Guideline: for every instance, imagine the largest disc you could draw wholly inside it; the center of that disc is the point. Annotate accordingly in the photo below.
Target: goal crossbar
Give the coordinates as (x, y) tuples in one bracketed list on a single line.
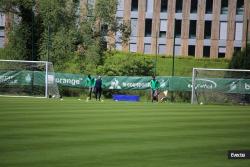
[(23, 61), (220, 69)]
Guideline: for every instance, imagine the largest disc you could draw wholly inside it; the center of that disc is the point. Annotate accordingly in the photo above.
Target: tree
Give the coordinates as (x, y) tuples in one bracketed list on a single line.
[(126, 65), (59, 32), (105, 13), (240, 59), (93, 30), (22, 38), (52, 30)]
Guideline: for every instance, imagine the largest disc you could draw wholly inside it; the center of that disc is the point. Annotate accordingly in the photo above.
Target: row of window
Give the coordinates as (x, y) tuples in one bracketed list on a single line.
[(2, 33), (191, 49), (147, 48), (206, 51), (192, 29), (179, 6)]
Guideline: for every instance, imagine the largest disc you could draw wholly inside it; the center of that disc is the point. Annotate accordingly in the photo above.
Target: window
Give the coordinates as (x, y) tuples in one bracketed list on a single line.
[(163, 28), (238, 31), (118, 46), (222, 52), (224, 6), (194, 4), (2, 20), (240, 7), (223, 30), (164, 5), (133, 27), (119, 33), (133, 47), (177, 28), (147, 48), (91, 6), (148, 27), (150, 6), (104, 29), (177, 50), (1, 42), (162, 49), (191, 50), (162, 34), (178, 6), (91, 3), (1, 32), (134, 5), (206, 51), (119, 20), (207, 30), (209, 6), (192, 29), (237, 49), (120, 5)]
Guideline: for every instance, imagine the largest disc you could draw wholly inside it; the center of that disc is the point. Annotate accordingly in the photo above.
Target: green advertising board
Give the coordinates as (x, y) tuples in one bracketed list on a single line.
[(226, 85)]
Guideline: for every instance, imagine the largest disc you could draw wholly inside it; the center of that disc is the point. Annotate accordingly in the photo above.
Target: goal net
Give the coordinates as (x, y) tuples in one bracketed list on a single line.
[(220, 86), (27, 78)]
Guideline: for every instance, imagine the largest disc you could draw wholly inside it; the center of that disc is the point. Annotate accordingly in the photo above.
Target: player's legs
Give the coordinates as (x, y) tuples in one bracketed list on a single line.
[(156, 95), (100, 93), (152, 95), (90, 92)]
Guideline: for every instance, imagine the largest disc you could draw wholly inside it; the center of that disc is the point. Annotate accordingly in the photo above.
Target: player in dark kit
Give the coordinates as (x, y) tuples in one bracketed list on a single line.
[(90, 83), (98, 88)]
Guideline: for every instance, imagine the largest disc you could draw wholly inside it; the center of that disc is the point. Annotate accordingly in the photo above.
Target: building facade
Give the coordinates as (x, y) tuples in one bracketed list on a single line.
[(2, 29), (200, 28)]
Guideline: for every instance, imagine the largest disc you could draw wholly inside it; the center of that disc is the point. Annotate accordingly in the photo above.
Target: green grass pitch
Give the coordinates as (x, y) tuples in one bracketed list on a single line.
[(72, 133)]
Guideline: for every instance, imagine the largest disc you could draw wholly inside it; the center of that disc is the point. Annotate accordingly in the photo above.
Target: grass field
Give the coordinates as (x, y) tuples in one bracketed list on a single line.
[(72, 133)]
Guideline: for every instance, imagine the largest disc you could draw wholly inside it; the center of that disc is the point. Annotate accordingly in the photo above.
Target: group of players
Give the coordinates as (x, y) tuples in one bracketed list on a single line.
[(95, 85)]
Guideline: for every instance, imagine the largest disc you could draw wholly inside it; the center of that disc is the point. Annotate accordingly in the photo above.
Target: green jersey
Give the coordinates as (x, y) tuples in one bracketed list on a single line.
[(90, 82), (154, 84)]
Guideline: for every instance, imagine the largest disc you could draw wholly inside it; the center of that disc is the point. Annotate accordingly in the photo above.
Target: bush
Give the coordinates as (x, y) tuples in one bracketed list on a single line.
[(9, 54), (130, 65), (241, 59)]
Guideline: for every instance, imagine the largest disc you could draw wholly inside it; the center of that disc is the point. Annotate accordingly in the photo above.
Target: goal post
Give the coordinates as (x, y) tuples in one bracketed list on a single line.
[(27, 79), (220, 86)]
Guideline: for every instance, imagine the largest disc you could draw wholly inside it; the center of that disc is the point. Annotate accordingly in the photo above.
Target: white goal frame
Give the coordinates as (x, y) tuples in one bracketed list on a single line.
[(210, 69), (46, 76)]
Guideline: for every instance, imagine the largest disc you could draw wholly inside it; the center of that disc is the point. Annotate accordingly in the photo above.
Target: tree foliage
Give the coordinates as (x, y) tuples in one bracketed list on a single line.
[(21, 38), (59, 32), (16, 6), (241, 59), (129, 65), (53, 30)]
